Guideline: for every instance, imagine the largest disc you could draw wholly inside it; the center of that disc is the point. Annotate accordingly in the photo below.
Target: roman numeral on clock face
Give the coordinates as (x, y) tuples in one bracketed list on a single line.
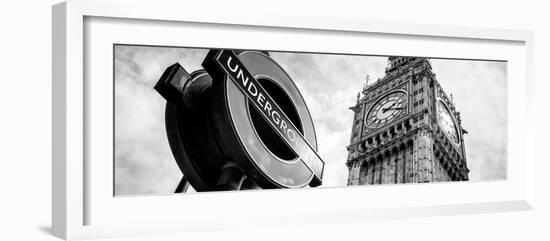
[(386, 109)]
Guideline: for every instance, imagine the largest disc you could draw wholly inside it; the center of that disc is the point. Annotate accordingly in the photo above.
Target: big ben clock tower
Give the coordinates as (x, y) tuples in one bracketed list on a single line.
[(406, 129)]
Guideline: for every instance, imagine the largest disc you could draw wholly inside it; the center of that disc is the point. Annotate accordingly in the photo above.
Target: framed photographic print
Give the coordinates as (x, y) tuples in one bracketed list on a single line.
[(167, 123)]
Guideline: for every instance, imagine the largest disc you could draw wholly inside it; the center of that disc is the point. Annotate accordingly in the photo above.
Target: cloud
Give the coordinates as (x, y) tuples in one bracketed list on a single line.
[(143, 161), (329, 85), (480, 93)]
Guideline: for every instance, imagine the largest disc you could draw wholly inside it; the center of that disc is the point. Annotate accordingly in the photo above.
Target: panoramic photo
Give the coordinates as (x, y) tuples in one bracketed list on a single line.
[(198, 120)]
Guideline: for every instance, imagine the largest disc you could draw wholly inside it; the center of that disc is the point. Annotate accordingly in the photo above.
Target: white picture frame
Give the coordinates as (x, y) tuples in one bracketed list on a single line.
[(83, 204)]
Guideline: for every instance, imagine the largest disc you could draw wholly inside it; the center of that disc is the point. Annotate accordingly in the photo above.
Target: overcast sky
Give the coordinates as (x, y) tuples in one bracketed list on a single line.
[(329, 85)]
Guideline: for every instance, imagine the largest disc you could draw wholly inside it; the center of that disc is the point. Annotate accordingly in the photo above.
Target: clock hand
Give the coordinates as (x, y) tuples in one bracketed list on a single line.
[(385, 109), (389, 108), (395, 102)]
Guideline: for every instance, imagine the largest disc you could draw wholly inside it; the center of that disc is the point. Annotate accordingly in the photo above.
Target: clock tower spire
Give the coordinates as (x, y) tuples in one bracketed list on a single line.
[(406, 129)]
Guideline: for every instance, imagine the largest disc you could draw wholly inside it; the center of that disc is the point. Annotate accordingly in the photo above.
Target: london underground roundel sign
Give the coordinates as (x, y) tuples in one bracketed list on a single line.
[(242, 122)]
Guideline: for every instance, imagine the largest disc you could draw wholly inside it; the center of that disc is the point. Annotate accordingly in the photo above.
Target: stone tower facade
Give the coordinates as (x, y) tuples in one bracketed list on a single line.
[(406, 129)]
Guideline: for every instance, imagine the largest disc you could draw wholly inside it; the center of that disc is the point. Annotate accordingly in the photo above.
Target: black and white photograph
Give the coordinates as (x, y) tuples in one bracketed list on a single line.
[(275, 120), (196, 119)]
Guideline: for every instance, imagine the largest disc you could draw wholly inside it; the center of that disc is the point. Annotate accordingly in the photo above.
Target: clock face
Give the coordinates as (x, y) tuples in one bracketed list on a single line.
[(446, 122), (386, 109)]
